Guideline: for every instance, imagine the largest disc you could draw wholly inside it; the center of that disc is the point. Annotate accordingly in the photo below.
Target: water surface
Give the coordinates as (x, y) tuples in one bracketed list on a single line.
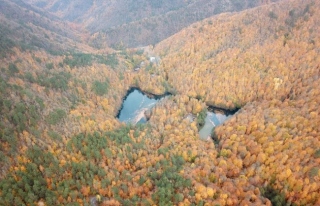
[(213, 119), (135, 104)]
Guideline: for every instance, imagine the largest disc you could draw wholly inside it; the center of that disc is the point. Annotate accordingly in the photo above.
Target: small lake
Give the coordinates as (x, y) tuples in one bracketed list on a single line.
[(213, 119), (135, 104)]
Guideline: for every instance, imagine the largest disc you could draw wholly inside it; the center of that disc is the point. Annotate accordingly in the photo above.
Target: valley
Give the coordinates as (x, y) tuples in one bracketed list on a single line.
[(69, 88)]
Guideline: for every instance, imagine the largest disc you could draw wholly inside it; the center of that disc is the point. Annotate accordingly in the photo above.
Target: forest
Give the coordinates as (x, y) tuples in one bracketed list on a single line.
[(62, 144)]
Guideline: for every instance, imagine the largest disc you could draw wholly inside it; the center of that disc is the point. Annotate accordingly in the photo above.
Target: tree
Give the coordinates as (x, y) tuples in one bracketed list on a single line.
[(201, 118), (100, 88), (56, 116), (13, 69), (274, 195)]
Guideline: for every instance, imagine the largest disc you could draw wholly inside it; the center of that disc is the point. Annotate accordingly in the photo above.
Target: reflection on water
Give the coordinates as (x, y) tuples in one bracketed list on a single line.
[(212, 120), (135, 105)]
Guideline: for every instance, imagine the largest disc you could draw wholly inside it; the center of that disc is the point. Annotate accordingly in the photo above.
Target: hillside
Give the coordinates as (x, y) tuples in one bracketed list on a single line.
[(239, 58), (46, 70), (140, 22), (61, 143), (264, 61), (26, 27), (39, 54)]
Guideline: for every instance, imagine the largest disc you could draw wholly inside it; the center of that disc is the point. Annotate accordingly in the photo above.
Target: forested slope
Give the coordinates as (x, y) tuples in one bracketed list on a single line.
[(264, 60), (233, 59)]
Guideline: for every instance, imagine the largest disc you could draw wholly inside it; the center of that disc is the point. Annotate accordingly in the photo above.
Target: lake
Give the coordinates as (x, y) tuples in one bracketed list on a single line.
[(135, 104), (213, 119)]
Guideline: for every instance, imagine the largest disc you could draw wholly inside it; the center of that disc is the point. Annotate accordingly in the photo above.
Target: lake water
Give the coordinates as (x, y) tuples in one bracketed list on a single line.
[(135, 104), (212, 120)]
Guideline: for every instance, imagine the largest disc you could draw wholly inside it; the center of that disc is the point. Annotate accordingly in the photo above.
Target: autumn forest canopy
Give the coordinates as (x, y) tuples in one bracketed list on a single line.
[(67, 66)]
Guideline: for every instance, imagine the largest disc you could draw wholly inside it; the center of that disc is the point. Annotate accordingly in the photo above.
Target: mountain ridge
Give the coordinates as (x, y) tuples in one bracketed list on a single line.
[(142, 23)]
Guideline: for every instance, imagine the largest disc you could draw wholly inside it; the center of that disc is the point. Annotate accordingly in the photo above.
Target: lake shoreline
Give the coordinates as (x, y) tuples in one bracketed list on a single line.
[(148, 94)]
